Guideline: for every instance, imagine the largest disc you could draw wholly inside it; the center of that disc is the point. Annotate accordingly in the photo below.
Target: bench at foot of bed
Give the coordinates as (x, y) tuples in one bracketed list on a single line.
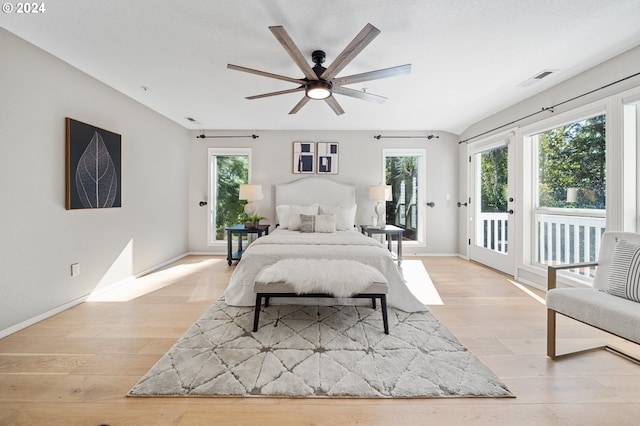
[(267, 290)]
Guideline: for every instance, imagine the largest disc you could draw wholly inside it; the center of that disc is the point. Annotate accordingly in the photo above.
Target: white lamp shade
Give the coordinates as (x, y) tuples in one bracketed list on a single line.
[(380, 192), (250, 192)]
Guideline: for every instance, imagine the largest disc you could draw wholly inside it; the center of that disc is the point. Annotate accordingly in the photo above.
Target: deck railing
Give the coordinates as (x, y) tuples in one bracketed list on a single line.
[(569, 238), (563, 235)]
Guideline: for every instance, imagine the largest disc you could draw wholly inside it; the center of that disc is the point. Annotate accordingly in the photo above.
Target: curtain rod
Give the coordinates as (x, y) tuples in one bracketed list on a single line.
[(406, 137), (551, 108), (233, 136)]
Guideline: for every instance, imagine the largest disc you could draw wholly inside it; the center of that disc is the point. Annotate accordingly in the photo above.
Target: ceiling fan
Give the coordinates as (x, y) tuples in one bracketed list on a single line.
[(321, 83)]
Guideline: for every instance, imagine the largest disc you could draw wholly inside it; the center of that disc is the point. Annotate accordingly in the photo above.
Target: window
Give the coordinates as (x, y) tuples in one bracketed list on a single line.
[(571, 191), (404, 171), (228, 168), (492, 221)]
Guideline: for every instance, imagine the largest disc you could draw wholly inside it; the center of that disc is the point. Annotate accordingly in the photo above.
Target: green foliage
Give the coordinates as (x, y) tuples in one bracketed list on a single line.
[(573, 156), (398, 170), (494, 168), (231, 172)]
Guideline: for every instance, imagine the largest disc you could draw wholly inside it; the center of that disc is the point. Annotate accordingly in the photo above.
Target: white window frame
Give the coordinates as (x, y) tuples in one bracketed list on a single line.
[(212, 153), (530, 180), (421, 153)]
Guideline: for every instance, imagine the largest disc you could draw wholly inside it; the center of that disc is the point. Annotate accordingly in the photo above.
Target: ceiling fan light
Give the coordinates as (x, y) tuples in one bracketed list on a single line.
[(318, 89)]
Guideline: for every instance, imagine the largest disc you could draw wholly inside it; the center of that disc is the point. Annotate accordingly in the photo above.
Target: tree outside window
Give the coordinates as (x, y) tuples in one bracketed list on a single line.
[(572, 165)]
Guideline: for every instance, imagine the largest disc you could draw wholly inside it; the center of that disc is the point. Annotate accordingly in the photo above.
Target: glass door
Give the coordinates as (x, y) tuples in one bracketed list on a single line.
[(492, 206)]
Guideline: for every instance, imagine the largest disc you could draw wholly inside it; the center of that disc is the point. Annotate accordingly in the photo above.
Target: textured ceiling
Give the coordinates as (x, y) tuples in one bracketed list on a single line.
[(467, 56)]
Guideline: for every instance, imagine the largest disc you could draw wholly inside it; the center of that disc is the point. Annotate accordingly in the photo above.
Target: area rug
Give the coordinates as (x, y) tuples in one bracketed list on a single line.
[(318, 351)]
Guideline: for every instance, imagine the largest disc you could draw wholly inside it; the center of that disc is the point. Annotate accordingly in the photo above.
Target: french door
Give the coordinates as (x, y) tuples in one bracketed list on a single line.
[(492, 203)]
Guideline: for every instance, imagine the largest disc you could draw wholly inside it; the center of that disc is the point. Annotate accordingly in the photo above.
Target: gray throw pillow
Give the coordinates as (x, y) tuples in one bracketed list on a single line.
[(325, 223)]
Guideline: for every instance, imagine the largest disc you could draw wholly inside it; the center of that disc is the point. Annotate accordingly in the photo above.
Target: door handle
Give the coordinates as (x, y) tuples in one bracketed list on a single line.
[(431, 204), (510, 211)]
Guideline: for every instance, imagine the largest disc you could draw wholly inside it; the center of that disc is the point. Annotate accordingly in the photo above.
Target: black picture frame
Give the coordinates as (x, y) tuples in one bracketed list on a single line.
[(304, 158), (93, 167)]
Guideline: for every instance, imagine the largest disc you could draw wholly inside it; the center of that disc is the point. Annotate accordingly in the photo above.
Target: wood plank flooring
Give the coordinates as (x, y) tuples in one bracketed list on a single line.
[(76, 367)]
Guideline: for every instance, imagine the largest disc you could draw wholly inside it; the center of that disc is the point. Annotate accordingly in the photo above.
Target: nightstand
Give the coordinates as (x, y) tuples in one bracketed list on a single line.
[(240, 230), (390, 232)]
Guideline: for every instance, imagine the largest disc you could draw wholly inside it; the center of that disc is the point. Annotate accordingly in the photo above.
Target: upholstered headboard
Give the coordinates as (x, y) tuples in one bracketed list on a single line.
[(312, 190)]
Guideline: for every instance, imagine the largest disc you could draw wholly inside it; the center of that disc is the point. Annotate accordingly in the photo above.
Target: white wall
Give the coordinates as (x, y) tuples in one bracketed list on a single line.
[(615, 69), (39, 238), (360, 164)]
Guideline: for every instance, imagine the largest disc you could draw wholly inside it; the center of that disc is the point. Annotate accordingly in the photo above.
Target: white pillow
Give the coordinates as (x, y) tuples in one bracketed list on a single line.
[(282, 214), (294, 215), (325, 223), (345, 216)]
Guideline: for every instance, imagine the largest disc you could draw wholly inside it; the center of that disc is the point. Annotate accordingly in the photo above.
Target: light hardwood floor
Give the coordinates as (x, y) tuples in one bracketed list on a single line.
[(76, 367)]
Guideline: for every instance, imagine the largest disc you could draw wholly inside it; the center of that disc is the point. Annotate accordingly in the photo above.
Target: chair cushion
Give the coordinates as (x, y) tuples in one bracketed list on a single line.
[(624, 272), (598, 308)]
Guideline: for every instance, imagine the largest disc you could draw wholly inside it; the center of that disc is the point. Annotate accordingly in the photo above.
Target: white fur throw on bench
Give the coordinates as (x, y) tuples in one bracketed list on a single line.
[(340, 278)]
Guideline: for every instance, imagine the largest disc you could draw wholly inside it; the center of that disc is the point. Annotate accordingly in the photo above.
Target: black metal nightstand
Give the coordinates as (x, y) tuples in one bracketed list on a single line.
[(240, 230)]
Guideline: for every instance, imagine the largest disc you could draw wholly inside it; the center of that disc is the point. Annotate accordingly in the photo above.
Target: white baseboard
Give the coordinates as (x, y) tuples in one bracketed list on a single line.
[(127, 280), (71, 304), (43, 316)]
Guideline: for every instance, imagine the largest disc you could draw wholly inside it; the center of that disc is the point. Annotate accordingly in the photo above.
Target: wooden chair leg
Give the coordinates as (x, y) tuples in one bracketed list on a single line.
[(256, 315), (551, 333)]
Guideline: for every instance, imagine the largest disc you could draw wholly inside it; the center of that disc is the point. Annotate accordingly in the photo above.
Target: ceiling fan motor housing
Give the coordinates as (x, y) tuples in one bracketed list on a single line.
[(318, 57)]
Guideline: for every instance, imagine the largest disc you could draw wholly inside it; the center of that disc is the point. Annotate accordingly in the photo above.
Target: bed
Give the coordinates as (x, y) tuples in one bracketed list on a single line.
[(326, 198)]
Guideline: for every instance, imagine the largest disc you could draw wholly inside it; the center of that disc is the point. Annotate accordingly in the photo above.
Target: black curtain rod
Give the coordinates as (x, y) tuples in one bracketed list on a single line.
[(234, 136), (406, 137), (551, 108)]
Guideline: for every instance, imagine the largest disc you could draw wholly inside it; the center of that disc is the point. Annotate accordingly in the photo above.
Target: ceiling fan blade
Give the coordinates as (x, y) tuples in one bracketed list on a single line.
[(265, 74), (335, 106), (293, 51), (281, 92), (299, 105), (372, 75), (362, 40), (365, 96)]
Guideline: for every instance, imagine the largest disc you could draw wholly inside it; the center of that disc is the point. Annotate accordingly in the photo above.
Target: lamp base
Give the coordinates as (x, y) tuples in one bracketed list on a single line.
[(380, 213), (249, 208)]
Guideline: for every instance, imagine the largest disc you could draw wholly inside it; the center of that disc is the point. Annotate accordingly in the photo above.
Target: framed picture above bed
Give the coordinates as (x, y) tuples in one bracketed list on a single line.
[(304, 157), (327, 153)]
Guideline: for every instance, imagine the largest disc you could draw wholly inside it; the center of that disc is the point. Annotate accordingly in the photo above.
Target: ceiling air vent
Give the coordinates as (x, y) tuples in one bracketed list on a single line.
[(536, 78)]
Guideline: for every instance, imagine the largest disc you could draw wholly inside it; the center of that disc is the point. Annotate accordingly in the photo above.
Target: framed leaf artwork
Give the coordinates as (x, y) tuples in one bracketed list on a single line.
[(93, 167)]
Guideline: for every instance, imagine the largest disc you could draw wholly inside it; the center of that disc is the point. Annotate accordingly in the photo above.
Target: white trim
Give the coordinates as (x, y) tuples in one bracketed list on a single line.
[(504, 262), (213, 152), (126, 281), (31, 321), (421, 153), (41, 317)]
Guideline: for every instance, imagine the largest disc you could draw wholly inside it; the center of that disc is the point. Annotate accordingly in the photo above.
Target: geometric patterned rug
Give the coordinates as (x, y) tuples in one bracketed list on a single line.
[(318, 351)]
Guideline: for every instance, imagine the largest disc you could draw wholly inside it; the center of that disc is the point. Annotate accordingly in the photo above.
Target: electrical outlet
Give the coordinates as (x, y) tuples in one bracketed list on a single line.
[(75, 269)]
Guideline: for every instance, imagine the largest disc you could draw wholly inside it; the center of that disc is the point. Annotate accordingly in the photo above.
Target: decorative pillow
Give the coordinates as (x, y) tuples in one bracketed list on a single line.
[(345, 215), (282, 213), (624, 272), (318, 223), (296, 211)]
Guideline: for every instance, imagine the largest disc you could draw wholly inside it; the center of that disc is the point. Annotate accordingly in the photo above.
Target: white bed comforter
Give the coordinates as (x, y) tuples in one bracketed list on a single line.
[(351, 245)]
